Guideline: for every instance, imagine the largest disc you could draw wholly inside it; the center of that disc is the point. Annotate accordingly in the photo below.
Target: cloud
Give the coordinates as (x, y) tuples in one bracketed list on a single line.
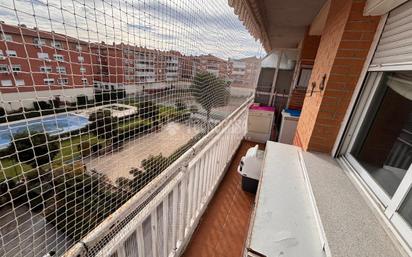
[(191, 27), (140, 27)]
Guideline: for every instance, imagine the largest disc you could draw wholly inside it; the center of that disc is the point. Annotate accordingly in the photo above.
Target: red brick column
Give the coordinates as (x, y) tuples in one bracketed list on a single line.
[(343, 48), (310, 45)]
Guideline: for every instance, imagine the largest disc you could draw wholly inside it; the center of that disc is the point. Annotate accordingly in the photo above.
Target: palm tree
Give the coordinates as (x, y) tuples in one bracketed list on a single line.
[(210, 92)]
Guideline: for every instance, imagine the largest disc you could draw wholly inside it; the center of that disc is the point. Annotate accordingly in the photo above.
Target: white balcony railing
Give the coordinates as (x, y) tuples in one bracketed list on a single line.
[(173, 202)]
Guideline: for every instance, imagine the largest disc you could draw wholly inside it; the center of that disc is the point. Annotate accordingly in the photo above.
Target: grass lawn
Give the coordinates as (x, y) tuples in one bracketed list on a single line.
[(12, 169), (69, 148)]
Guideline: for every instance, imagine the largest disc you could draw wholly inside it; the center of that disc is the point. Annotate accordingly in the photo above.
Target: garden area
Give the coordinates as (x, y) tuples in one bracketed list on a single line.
[(49, 175), (76, 179)]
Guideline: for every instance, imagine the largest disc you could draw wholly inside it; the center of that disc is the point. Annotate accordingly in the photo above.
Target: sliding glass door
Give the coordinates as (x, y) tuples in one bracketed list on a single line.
[(381, 149)]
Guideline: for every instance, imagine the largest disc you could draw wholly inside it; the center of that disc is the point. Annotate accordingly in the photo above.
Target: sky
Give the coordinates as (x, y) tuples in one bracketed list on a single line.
[(192, 27)]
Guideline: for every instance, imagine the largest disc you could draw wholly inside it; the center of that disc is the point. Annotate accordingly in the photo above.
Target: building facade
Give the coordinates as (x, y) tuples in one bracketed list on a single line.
[(212, 64), (244, 72)]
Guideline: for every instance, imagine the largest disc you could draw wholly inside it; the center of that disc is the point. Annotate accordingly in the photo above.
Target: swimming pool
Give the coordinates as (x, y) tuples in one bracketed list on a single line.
[(52, 124)]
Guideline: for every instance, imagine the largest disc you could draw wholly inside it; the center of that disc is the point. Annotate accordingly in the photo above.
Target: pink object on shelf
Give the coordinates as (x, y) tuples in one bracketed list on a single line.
[(261, 108)]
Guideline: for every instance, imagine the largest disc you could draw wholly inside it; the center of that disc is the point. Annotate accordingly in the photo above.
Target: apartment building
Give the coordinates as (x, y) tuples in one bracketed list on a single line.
[(34, 62), (188, 67), (212, 64), (173, 66), (244, 72), (144, 65)]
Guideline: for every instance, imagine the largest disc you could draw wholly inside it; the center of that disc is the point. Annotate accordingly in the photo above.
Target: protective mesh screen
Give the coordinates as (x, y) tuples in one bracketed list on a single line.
[(98, 98)]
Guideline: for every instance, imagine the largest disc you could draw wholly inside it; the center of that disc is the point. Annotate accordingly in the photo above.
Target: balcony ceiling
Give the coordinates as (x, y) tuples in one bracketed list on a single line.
[(277, 23)]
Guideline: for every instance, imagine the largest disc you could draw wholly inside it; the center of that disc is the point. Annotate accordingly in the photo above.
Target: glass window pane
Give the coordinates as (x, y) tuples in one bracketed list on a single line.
[(406, 208), (384, 144)]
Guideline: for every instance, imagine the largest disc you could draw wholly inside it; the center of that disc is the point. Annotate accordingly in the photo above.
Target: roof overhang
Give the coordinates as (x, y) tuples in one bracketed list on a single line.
[(277, 23)]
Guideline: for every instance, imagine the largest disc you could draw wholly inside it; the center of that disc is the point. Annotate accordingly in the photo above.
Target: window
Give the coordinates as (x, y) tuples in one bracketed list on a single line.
[(82, 69), (45, 69), (44, 56), (57, 44), (383, 146), (1, 55), (11, 53), (39, 41), (61, 70), (304, 77), (80, 58), (48, 81), (79, 48), (58, 57), (6, 37), (20, 82), (63, 81), (16, 67), (85, 82), (6, 83), (4, 68)]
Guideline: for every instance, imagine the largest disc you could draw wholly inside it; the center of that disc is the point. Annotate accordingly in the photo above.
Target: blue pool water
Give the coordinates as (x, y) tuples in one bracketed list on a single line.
[(53, 125)]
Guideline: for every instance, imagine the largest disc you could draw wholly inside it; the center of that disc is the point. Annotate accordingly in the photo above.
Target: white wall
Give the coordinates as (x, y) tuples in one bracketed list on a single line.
[(14, 101)]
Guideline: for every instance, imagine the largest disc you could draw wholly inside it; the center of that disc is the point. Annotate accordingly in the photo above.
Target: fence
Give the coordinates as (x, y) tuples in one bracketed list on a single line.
[(100, 99), (165, 224)]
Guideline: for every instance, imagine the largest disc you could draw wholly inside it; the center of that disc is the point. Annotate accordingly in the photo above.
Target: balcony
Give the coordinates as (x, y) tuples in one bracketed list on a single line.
[(178, 198), (151, 169)]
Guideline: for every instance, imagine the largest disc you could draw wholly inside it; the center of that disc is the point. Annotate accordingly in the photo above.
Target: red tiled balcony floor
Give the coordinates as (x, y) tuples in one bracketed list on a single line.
[(222, 230)]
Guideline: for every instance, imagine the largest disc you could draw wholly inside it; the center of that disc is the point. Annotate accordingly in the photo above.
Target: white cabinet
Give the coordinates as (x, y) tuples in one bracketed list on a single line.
[(288, 128), (260, 123)]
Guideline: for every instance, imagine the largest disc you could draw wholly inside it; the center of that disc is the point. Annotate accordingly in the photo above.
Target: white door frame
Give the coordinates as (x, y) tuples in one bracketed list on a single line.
[(390, 204), (365, 89)]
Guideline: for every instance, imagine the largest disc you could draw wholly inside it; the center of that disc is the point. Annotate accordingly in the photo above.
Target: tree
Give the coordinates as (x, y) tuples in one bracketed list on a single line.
[(36, 148), (152, 167), (210, 92)]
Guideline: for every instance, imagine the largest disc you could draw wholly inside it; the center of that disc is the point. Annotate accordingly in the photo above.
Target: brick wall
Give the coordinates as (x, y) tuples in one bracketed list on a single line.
[(310, 45), (343, 48), (296, 98)]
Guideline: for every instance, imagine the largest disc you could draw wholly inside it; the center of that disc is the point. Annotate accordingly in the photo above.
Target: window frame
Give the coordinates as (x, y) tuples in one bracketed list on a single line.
[(63, 81), (20, 84), (6, 37), (43, 56), (50, 81), (57, 44), (46, 69), (388, 205), (39, 41), (13, 66), (85, 82), (61, 70), (4, 68), (353, 120), (13, 53), (1, 83), (56, 57)]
